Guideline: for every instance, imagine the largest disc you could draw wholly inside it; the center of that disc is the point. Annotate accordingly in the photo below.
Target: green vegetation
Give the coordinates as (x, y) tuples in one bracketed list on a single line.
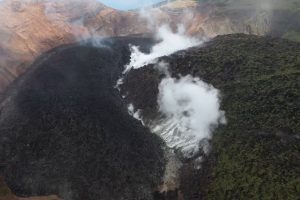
[(257, 155), (257, 76), (292, 35), (254, 167)]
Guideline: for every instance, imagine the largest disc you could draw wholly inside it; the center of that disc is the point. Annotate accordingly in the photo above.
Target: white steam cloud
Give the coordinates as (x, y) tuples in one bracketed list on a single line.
[(170, 43), (189, 109), (192, 111)]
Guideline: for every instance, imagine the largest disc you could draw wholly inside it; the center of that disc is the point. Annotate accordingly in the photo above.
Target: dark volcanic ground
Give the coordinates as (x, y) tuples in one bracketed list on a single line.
[(256, 155), (65, 130)]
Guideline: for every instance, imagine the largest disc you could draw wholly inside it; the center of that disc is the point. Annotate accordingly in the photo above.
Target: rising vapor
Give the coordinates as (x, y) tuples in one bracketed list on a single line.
[(169, 43), (189, 109), (192, 110)]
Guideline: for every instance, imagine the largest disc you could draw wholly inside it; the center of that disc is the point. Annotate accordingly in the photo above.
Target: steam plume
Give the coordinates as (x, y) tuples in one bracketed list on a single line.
[(192, 111), (170, 42), (189, 109)]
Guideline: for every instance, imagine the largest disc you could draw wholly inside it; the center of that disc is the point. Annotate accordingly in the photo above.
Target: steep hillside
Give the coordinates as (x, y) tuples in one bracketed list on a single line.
[(30, 28), (256, 155), (6, 194), (65, 130), (25, 32)]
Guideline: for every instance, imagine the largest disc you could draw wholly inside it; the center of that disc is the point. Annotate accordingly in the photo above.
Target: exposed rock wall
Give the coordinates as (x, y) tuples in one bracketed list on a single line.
[(29, 28)]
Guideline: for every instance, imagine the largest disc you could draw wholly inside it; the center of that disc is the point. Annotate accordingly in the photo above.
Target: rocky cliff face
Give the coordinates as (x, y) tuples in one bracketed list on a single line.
[(29, 28), (25, 33)]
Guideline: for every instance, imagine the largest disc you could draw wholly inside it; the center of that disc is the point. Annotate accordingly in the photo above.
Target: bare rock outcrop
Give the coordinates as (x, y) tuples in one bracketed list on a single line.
[(29, 28)]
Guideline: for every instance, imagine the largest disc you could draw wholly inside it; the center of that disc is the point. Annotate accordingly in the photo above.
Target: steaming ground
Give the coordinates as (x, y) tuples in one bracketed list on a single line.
[(170, 42), (189, 109)]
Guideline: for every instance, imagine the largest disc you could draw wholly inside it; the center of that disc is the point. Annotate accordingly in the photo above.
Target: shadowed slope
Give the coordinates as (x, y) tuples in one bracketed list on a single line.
[(64, 130)]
